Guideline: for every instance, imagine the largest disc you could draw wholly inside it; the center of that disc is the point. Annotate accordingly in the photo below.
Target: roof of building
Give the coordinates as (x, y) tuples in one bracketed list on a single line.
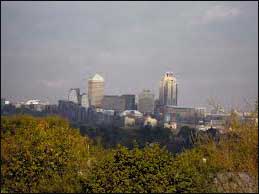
[(97, 77), (131, 112), (33, 102), (168, 76), (183, 107)]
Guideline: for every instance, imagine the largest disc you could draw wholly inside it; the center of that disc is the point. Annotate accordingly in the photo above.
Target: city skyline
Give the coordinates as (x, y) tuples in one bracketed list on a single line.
[(211, 47)]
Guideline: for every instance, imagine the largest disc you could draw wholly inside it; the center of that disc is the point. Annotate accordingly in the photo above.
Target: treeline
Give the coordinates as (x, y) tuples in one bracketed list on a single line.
[(47, 155), (109, 137)]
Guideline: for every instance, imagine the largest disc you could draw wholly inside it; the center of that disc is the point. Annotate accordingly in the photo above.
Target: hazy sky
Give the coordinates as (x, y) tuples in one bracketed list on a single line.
[(49, 47)]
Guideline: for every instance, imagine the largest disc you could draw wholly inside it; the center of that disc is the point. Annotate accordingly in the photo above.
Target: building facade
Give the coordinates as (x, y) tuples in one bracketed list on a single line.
[(129, 101), (51, 109), (74, 95), (146, 102), (113, 102), (168, 90), (96, 90), (69, 110), (183, 115), (84, 100)]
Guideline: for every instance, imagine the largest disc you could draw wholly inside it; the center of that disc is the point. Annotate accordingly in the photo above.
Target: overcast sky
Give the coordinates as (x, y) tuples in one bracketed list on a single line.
[(211, 47)]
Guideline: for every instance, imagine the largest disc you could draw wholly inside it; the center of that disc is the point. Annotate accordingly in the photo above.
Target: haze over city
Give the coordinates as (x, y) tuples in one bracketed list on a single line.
[(50, 47)]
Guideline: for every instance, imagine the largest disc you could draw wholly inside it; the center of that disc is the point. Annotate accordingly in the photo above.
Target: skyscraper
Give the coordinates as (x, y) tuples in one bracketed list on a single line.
[(96, 90), (146, 101), (168, 90), (74, 95), (84, 100)]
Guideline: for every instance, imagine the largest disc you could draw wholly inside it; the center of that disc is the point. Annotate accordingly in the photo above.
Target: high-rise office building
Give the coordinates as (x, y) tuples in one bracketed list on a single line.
[(69, 110), (96, 90), (146, 101), (129, 101), (74, 95), (84, 100), (168, 90), (113, 102)]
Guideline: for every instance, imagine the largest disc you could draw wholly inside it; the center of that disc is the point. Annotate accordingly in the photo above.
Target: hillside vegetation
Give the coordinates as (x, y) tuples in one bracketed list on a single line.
[(47, 155)]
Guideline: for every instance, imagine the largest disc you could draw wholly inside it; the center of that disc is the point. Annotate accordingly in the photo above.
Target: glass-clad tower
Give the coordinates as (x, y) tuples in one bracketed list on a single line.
[(168, 90)]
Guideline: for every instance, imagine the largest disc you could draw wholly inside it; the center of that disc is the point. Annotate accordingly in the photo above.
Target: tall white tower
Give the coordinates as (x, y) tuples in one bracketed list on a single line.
[(168, 90)]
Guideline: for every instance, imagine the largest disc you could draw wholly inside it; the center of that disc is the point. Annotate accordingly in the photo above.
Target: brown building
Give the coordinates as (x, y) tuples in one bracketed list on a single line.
[(96, 90)]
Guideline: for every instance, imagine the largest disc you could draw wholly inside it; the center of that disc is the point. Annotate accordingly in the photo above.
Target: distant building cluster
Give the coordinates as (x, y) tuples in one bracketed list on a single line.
[(96, 108)]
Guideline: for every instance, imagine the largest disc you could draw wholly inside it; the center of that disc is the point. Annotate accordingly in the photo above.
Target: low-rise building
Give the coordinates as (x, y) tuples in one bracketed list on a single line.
[(69, 110), (183, 116), (218, 121), (171, 125), (51, 109), (149, 121), (132, 113), (129, 122)]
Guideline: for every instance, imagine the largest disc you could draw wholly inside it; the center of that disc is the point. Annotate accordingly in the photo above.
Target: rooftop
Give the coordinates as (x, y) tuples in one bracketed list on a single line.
[(97, 77)]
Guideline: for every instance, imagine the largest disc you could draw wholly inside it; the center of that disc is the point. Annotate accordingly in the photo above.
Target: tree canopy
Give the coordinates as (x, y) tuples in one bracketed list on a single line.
[(41, 155)]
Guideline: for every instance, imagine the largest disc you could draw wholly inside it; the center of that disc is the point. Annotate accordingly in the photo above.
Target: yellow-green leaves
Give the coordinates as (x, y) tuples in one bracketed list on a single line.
[(43, 155)]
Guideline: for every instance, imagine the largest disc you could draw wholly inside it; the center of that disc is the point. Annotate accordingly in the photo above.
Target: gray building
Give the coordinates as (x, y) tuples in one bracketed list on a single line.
[(2, 103), (69, 110), (51, 109), (74, 95), (146, 102), (84, 100), (113, 102), (184, 115), (129, 101)]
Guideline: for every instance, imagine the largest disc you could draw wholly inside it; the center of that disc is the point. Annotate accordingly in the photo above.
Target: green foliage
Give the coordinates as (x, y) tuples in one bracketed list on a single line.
[(41, 155), (239, 151), (152, 169), (193, 171), (136, 170), (236, 152), (46, 155)]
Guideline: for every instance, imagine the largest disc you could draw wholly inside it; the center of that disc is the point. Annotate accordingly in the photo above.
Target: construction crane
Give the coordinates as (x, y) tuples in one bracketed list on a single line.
[(217, 108)]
